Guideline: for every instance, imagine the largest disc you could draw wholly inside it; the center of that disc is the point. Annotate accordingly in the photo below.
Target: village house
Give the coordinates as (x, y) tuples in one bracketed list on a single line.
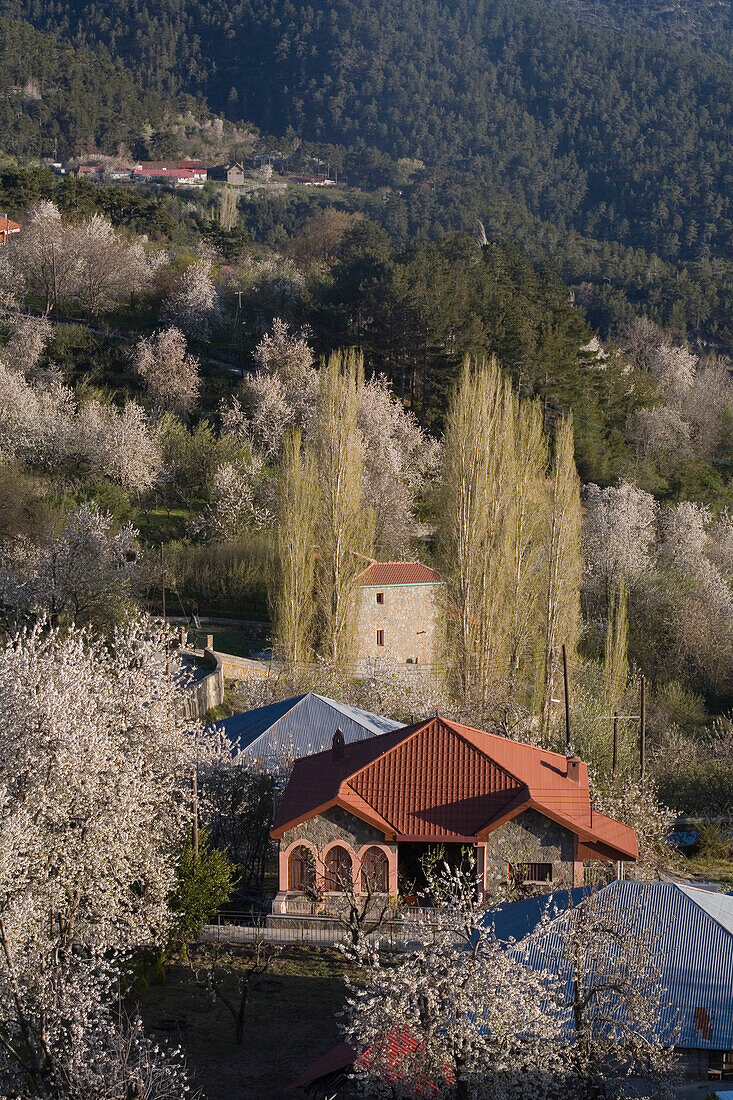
[(6, 228), (179, 172), (399, 613), (233, 174), (367, 812)]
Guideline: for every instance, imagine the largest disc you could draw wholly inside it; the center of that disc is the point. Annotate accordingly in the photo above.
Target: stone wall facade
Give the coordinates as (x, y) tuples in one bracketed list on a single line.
[(409, 617), (334, 824), (335, 827), (533, 838)]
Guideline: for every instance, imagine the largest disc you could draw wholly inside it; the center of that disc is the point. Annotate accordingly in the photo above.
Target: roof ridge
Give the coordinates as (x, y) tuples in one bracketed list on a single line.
[(683, 887), (451, 726), (337, 705), (500, 737)]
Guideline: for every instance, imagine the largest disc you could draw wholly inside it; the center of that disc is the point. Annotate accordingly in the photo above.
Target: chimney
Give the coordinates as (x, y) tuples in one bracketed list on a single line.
[(574, 768), (337, 747)]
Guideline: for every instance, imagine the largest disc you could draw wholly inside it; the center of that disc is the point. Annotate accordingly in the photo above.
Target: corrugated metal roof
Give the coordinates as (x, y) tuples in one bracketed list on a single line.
[(695, 950), (299, 726), (439, 779), (718, 906), (513, 920), (397, 572)]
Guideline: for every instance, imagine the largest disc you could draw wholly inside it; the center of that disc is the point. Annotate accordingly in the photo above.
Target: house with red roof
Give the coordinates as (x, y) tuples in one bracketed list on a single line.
[(367, 812), (399, 613), (6, 228)]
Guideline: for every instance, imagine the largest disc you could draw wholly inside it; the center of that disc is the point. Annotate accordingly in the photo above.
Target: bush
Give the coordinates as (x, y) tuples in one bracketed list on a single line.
[(203, 885), (229, 577)]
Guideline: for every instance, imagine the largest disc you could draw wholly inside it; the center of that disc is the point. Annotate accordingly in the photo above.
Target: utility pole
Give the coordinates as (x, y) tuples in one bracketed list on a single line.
[(567, 696), (162, 577), (195, 828), (614, 764), (642, 728)]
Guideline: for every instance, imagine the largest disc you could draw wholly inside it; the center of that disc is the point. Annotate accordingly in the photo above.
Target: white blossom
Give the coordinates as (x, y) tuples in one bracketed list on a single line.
[(238, 501), (619, 531), (86, 572), (194, 306), (95, 799), (120, 445), (455, 1009), (399, 459), (171, 376)]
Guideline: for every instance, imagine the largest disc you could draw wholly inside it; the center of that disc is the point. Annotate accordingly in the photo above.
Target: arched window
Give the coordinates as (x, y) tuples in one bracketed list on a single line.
[(301, 869), (338, 869), (375, 871)]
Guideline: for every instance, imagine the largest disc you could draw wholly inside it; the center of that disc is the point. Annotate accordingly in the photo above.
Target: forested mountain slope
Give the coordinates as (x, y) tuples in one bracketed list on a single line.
[(58, 98), (617, 138), (706, 25)]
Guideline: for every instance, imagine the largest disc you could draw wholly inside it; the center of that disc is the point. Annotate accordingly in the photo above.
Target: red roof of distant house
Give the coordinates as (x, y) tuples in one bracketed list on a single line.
[(337, 1058), (441, 781), (397, 572), (167, 173), (8, 226), (400, 1044)]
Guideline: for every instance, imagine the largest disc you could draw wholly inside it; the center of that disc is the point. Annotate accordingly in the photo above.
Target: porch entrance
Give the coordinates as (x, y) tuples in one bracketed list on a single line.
[(412, 861)]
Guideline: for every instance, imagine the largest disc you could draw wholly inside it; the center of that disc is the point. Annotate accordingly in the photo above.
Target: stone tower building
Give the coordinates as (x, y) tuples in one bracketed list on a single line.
[(400, 612)]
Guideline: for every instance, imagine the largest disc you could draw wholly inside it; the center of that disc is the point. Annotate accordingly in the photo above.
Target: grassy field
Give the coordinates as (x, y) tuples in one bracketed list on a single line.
[(291, 1022), (710, 869)]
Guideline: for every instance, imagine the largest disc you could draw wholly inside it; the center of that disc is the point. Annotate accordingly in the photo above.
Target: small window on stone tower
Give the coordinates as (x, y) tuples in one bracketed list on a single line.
[(380, 597), (380, 637)]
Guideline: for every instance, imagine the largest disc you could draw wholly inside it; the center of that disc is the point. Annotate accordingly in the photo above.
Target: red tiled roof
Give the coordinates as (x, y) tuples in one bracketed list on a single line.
[(8, 226), (435, 784), (439, 780), (397, 572), (337, 1058), (399, 1045)]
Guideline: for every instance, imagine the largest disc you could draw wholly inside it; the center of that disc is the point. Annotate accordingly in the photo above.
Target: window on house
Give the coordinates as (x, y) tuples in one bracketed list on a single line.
[(375, 871), (380, 637), (338, 869), (301, 869), (530, 873), (380, 597)]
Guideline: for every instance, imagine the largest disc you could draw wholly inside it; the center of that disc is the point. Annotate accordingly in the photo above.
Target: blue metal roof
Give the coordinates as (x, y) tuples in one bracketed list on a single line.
[(695, 929), (299, 727), (513, 920)]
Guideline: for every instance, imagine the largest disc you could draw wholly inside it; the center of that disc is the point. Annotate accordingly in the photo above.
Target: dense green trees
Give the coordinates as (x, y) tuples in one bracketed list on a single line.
[(615, 137), (57, 99)]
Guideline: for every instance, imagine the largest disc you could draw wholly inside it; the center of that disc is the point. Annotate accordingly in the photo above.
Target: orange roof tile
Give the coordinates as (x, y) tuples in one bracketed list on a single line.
[(8, 226), (397, 572), (439, 780)]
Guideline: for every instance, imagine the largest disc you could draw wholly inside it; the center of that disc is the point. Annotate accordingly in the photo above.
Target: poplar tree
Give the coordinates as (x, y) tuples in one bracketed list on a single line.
[(345, 528), (530, 499), (296, 537), (477, 524), (564, 564), (616, 663)]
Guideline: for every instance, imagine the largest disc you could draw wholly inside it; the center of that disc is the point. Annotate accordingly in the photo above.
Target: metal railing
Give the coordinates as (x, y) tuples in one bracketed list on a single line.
[(318, 931)]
